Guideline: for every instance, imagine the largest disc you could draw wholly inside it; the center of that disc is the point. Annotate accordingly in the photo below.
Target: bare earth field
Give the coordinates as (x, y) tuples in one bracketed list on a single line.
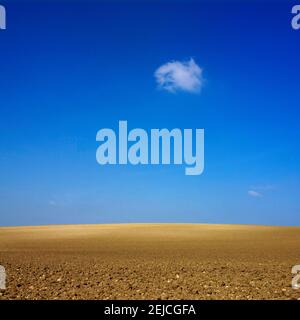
[(149, 261)]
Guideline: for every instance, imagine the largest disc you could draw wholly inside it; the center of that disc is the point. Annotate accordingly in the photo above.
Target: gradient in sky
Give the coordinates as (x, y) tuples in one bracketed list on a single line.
[(68, 69)]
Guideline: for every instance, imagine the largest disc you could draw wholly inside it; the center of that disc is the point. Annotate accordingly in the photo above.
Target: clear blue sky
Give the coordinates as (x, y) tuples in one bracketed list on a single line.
[(69, 69)]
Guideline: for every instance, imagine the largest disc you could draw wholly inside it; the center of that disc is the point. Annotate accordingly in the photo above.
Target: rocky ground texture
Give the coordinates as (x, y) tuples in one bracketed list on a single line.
[(149, 261)]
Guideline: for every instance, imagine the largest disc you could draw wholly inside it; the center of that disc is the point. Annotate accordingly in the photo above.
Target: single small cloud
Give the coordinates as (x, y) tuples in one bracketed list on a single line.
[(255, 194), (180, 76)]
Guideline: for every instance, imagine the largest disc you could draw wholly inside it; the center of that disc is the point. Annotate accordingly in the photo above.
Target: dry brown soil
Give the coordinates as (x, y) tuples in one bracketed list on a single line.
[(149, 261)]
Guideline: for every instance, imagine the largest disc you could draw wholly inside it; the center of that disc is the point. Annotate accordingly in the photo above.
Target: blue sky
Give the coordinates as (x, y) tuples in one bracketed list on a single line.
[(68, 69)]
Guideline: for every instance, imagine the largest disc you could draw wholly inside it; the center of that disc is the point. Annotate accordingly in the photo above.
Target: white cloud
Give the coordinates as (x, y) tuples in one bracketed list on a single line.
[(176, 75), (255, 194)]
